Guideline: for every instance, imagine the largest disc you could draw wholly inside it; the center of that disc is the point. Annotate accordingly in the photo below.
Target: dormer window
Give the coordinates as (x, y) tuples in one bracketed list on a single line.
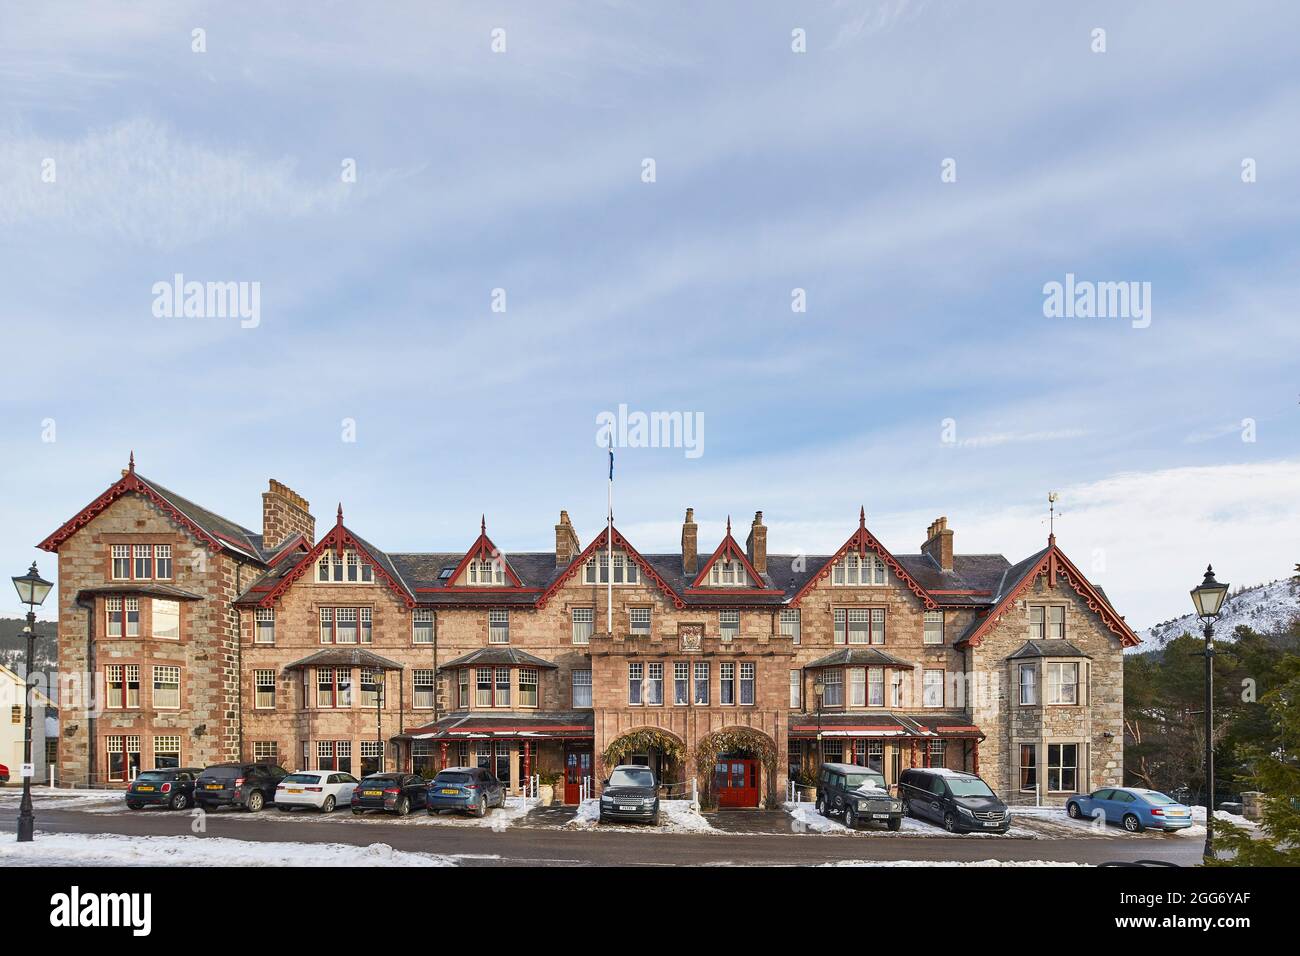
[(597, 568), (855, 570), (347, 568), (483, 572), (446, 572), (728, 573)]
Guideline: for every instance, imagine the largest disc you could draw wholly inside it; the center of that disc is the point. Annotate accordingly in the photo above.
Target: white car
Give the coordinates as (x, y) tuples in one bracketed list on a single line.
[(322, 789)]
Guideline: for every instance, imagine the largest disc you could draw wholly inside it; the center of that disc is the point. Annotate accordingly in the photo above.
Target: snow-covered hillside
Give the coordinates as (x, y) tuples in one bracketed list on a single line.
[(1265, 608)]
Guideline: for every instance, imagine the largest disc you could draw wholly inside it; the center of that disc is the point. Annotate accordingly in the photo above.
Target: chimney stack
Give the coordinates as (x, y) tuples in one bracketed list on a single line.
[(756, 544), (566, 541), (284, 514), (938, 543), (690, 537)]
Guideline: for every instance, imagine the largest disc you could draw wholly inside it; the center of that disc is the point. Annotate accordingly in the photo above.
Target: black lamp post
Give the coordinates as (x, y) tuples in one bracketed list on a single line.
[(819, 688), (1208, 598), (32, 589)]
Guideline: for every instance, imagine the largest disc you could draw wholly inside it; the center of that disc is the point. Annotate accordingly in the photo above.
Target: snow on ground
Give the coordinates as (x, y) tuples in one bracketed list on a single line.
[(804, 818), (951, 863), (86, 801), (675, 816), (102, 849), (1197, 830)]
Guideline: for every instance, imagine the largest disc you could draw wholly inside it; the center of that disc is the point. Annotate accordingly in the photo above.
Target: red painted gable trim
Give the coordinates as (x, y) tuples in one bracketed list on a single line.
[(622, 544), (863, 541), (730, 547), (131, 483), (1056, 566), (483, 546), (339, 538)]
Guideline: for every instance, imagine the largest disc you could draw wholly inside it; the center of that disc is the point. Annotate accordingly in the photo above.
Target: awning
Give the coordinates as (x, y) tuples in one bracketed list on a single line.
[(563, 725)]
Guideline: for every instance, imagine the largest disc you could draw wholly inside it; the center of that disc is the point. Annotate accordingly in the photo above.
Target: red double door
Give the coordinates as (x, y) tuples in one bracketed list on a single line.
[(577, 765), (735, 780)]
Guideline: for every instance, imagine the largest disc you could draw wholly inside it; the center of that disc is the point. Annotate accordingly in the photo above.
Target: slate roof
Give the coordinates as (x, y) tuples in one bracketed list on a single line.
[(211, 522), (1047, 648), (345, 657), (574, 723), (505, 656), (860, 656)]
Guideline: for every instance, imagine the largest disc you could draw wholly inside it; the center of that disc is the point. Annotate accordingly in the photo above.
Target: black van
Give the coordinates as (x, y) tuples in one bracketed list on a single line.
[(858, 794), (959, 802)]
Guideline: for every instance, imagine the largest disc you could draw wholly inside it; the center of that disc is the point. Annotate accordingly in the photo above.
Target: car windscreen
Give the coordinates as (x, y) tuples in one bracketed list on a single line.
[(153, 776), (867, 781), (962, 787), (302, 778), (448, 777), (375, 782), (222, 773), (632, 778), (1156, 799)]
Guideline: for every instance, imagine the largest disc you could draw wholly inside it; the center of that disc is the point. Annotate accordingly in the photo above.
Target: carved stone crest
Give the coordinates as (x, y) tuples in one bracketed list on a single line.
[(691, 636)]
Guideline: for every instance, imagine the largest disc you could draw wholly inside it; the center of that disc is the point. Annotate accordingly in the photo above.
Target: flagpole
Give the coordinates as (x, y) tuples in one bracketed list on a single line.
[(609, 540)]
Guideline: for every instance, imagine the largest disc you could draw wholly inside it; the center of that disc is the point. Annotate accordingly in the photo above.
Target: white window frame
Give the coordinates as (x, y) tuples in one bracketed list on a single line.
[(934, 624), (171, 609), (264, 624), (857, 681), (700, 681), (498, 626), (796, 688), (582, 624), (423, 682), (528, 677), (161, 671), (263, 684), (635, 675), (581, 678), (928, 686), (627, 573), (423, 621), (160, 744), (855, 571), (832, 677), (790, 624), (654, 674), (726, 679), (1055, 672), (1028, 688), (729, 572), (638, 620), (681, 683), (748, 679), (728, 626)]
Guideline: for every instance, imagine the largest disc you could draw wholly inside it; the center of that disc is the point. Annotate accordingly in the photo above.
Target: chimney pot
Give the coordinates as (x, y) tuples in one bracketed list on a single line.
[(938, 543)]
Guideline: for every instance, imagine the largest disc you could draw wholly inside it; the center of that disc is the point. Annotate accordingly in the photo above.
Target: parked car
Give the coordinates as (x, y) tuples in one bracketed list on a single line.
[(322, 789), (4, 773), (171, 787), (391, 792), (248, 785), (471, 789), (1133, 808), (858, 794), (630, 793), (960, 802)]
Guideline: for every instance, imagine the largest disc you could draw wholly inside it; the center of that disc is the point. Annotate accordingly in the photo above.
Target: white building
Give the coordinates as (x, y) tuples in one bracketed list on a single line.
[(11, 728)]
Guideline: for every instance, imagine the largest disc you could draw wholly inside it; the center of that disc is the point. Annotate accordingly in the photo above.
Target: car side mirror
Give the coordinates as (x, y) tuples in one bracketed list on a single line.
[(605, 782)]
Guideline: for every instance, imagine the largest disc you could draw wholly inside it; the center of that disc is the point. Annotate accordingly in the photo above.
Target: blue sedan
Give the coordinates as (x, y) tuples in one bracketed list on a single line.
[(1133, 808)]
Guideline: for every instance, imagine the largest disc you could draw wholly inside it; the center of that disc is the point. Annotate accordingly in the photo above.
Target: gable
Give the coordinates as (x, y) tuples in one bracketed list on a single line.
[(728, 550), (599, 544), (1054, 566), (483, 550), (340, 539), (863, 542)]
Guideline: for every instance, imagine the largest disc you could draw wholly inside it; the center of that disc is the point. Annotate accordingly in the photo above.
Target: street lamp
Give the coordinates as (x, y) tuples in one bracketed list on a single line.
[(32, 589), (1208, 598), (818, 689)]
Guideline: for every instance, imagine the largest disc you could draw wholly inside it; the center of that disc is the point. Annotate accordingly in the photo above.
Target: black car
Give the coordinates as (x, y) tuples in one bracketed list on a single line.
[(960, 802), (858, 794), (391, 792), (630, 794), (248, 785), (172, 788)]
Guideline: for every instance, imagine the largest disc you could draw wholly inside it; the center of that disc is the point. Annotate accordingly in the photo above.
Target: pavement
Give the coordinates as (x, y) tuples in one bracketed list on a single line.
[(750, 838)]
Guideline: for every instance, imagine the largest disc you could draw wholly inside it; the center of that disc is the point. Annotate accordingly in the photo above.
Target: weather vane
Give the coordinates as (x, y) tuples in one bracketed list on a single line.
[(1051, 512)]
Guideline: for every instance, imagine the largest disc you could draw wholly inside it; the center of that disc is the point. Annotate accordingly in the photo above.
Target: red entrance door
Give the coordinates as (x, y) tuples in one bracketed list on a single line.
[(736, 781), (576, 767)]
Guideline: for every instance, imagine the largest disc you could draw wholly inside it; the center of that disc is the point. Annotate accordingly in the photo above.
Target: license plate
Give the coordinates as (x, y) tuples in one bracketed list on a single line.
[(372, 793), (214, 786), (1177, 813), (144, 789), (452, 792), (991, 823), (880, 816), (293, 790), (621, 807)]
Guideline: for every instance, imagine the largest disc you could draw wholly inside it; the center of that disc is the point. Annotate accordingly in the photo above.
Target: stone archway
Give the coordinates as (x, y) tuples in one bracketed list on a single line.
[(744, 740), (668, 749)]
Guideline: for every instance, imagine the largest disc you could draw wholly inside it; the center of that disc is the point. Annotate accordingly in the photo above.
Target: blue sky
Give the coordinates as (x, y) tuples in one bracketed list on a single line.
[(775, 170)]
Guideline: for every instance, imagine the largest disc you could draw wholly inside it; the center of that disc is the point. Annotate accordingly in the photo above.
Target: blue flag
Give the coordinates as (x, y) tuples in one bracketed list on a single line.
[(611, 464)]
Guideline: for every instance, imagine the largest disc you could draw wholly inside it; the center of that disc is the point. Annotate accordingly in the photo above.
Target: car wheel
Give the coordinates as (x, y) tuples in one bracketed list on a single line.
[(135, 806), (821, 807), (850, 818), (1072, 810), (255, 801), (177, 802), (950, 822), (329, 804), (895, 823), (1132, 824), (480, 808), (403, 806)]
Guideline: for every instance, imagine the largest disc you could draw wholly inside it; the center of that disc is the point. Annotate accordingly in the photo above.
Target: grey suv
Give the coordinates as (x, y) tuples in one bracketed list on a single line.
[(858, 794)]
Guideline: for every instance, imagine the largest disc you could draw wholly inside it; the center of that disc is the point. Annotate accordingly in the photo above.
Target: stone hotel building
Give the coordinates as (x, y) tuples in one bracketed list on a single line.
[(730, 665)]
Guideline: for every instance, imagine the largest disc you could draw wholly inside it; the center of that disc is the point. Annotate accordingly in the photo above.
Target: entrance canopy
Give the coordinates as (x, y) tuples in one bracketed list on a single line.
[(553, 725)]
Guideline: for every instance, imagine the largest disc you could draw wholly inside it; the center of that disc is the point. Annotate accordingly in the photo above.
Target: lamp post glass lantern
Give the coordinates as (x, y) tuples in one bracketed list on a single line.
[(818, 689), (32, 590), (1208, 598)]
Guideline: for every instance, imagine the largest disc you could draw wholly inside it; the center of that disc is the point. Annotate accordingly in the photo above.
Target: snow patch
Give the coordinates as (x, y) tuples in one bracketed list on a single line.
[(952, 863), (1265, 608)]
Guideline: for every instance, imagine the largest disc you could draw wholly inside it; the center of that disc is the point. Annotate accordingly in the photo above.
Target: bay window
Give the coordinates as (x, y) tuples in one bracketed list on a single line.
[(857, 687), (502, 698), (527, 687), (1062, 682), (876, 687), (1062, 767), (483, 687), (833, 687), (1028, 684), (372, 686), (166, 623), (462, 689)]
